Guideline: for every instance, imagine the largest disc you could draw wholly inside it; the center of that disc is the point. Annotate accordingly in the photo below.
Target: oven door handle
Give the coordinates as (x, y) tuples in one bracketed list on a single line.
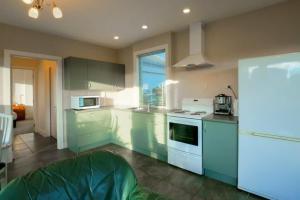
[(186, 122)]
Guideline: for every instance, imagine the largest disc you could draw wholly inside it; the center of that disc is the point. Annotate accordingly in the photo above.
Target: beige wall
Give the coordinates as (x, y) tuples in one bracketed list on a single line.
[(272, 30), (14, 38), (20, 39), (268, 31)]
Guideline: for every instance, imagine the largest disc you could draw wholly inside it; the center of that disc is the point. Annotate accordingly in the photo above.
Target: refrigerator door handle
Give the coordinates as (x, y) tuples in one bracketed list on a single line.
[(270, 135)]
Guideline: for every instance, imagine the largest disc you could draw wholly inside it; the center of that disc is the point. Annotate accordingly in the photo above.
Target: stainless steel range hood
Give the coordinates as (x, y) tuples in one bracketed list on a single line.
[(196, 57)]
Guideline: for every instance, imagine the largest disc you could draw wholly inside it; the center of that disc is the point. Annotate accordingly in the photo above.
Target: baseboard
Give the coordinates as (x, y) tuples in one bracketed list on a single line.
[(42, 132)]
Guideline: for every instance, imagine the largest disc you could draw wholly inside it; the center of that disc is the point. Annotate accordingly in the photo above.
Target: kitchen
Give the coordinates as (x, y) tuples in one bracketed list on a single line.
[(226, 45), (196, 151)]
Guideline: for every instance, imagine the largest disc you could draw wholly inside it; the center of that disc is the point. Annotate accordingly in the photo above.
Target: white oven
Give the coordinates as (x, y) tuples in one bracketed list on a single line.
[(185, 143), (185, 134)]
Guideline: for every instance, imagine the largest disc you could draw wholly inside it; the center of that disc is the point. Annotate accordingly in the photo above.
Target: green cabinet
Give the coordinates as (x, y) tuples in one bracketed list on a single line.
[(121, 127), (88, 129), (220, 150), (142, 132), (149, 135), (75, 74), (118, 76), (93, 75)]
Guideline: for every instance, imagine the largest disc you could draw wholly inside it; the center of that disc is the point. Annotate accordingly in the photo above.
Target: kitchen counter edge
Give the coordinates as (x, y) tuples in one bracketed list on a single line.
[(129, 109), (222, 118)]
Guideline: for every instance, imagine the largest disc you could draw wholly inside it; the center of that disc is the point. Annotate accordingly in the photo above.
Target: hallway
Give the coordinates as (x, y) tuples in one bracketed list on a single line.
[(32, 151)]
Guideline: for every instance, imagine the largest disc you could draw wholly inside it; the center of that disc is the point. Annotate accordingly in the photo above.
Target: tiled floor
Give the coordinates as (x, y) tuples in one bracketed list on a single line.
[(33, 151)]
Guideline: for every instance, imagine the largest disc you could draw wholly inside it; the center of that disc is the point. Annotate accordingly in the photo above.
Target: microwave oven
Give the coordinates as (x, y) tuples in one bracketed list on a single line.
[(85, 102)]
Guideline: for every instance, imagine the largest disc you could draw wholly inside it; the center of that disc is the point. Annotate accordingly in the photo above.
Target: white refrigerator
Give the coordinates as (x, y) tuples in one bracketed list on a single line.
[(269, 126)]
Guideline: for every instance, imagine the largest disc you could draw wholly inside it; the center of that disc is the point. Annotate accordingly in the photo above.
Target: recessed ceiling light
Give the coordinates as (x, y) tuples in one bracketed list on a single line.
[(144, 27), (116, 37), (186, 11)]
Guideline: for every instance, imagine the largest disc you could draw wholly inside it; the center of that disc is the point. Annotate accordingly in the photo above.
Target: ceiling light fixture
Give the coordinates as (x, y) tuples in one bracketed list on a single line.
[(33, 12), (116, 37), (186, 11), (37, 5), (144, 27)]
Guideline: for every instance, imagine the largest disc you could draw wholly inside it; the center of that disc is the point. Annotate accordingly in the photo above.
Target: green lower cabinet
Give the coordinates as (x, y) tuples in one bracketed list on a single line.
[(88, 129), (220, 151), (141, 132), (121, 128)]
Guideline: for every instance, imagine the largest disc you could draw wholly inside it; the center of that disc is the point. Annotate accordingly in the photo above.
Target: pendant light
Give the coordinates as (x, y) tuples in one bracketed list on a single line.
[(33, 12), (56, 11), (37, 5)]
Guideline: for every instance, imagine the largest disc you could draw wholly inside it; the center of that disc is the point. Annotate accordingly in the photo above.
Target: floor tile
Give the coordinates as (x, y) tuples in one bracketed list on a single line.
[(157, 176)]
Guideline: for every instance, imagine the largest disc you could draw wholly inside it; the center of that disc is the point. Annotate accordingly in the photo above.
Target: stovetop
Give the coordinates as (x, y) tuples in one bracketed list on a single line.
[(193, 108), (188, 114)]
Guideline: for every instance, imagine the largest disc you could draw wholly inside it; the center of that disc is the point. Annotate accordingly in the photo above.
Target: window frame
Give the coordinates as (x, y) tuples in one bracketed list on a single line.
[(141, 99), (136, 56)]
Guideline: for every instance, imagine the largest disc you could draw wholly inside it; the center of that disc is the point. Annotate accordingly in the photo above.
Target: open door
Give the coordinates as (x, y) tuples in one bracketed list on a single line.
[(52, 72)]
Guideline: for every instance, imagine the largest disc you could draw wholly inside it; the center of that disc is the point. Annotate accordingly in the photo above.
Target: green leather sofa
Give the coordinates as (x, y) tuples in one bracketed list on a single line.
[(99, 175)]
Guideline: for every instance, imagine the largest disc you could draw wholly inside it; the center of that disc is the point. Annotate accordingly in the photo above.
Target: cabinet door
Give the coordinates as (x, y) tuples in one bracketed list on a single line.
[(119, 76), (141, 136), (100, 75), (121, 127), (75, 74), (159, 132), (220, 148), (88, 129)]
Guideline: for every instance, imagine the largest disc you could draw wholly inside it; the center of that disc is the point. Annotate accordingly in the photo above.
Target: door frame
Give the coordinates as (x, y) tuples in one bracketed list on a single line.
[(61, 136)]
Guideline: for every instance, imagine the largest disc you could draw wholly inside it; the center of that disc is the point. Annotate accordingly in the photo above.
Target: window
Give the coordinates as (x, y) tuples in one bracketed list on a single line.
[(152, 75)]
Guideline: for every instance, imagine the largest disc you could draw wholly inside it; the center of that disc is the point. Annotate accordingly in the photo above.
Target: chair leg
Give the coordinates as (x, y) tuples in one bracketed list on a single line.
[(5, 178)]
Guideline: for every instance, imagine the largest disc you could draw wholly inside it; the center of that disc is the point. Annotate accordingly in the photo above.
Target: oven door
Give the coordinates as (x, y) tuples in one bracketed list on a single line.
[(185, 134)]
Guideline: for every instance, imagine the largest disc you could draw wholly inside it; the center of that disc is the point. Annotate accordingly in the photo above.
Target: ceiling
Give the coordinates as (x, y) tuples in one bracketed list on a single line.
[(98, 21)]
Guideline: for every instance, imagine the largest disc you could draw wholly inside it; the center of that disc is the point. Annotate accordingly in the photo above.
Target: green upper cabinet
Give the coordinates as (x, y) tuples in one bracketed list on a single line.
[(99, 75), (75, 74), (93, 75), (220, 150), (118, 74)]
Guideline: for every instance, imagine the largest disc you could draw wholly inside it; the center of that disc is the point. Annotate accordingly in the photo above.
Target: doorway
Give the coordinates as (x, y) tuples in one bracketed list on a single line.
[(33, 95), (22, 100), (61, 138)]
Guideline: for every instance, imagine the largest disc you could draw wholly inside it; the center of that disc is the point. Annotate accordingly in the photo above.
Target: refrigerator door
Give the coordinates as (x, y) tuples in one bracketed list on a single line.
[(269, 127), (269, 167), (269, 95)]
